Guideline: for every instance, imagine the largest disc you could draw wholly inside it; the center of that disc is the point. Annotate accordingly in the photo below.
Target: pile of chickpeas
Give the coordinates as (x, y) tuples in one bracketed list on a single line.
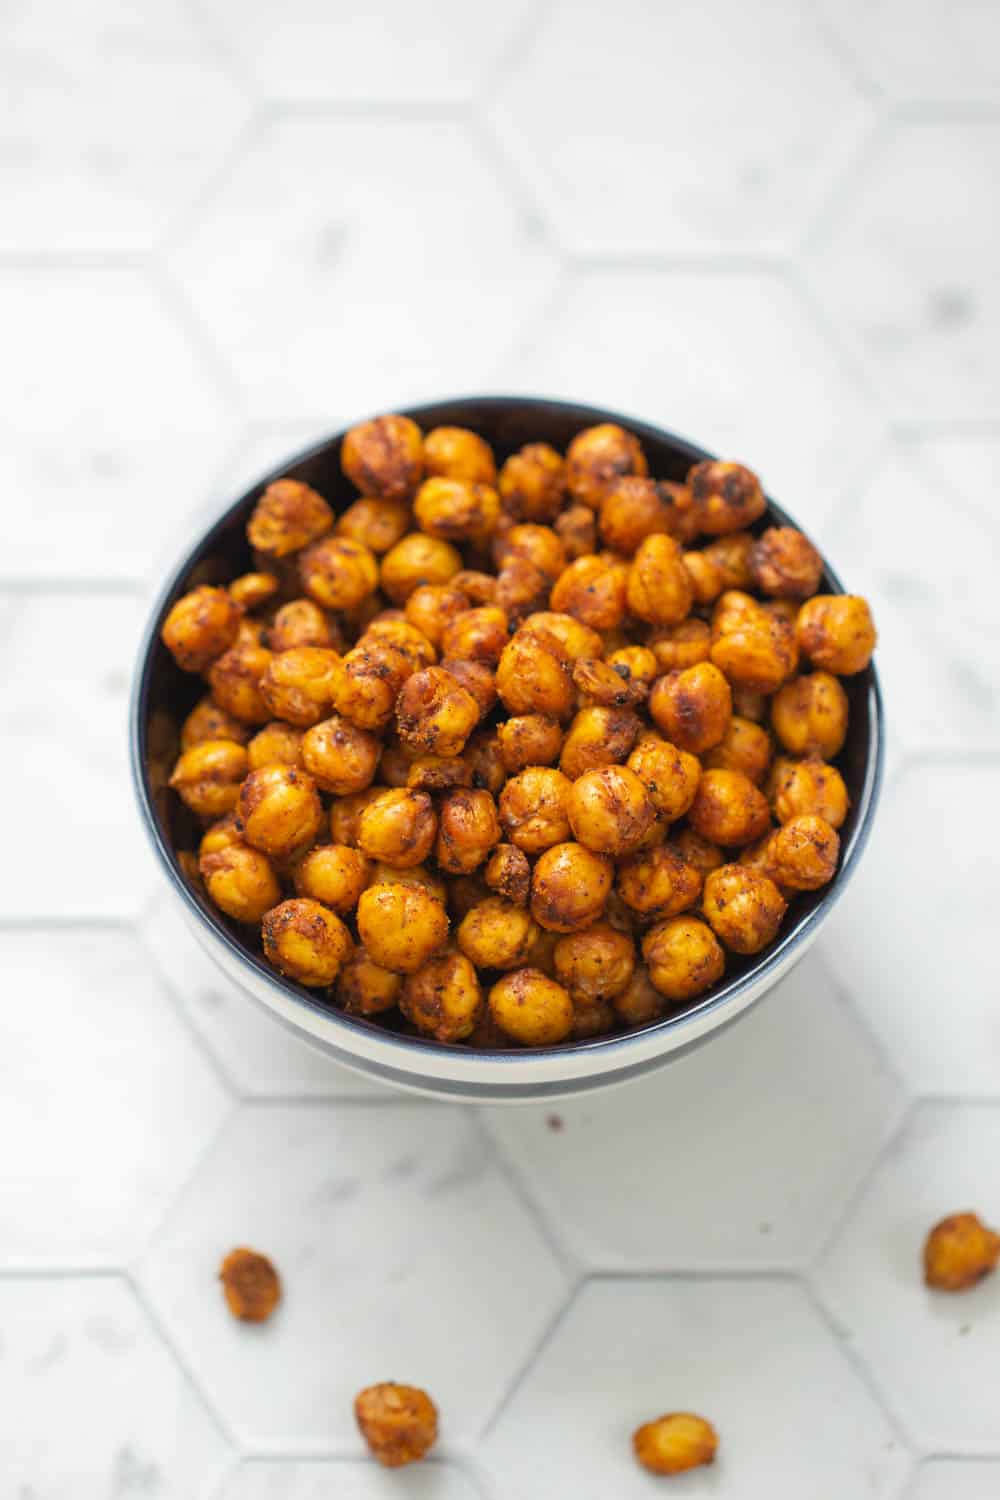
[(504, 757)]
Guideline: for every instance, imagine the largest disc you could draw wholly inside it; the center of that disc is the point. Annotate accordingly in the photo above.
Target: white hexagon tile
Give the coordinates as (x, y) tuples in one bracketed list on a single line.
[(921, 52), (956, 1479), (266, 1479)]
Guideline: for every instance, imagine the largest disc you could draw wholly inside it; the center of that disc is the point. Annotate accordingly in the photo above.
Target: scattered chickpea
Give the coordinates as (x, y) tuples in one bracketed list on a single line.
[(534, 809), (532, 679), (435, 714), (569, 637), (398, 1422), (528, 740), (702, 853), (375, 523), (959, 1252), (659, 883), (639, 662), (250, 1285), (577, 530), (477, 635), (593, 589), (300, 685), (670, 775), (432, 607), (803, 853), (677, 647), (745, 747), (658, 588), (240, 880), (640, 1002), (675, 1442), (730, 556), (728, 809), (598, 736)]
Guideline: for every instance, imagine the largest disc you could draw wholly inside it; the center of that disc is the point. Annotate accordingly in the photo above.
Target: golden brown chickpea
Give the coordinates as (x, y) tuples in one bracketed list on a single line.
[(640, 1001), (531, 678), (593, 589), (250, 1285), (598, 736), (299, 686), (207, 721), (364, 988), (677, 647), (287, 517), (403, 637), (438, 773), (478, 588), (252, 634), (569, 887), (683, 957), (476, 677), (534, 809), (340, 756), (368, 682), (509, 874), (477, 635), (468, 828), (251, 590), (659, 883), (417, 875), (707, 581), (395, 766), (305, 942), (235, 679), (345, 814), (809, 715), (200, 627), (375, 523), (463, 893), (241, 881), (598, 458), (207, 777), (521, 588), (539, 545), (455, 510), (750, 705), (529, 740), (280, 810), (533, 482), (803, 853), (401, 925), (416, 560), (807, 786), (785, 563), (398, 1422), (600, 683), (675, 1442), (610, 810), (333, 874), (728, 496), (482, 755), (638, 661), (220, 835), (399, 827), (299, 623), (746, 747), (658, 589), (497, 934), (338, 573), (384, 456), (730, 556), (435, 714), (729, 809), (457, 453), (443, 999), (433, 606), (837, 633), (743, 907), (594, 965), (759, 654), (633, 509), (959, 1252), (702, 853), (693, 707), (577, 530), (567, 636), (531, 1008), (735, 610), (592, 1018)]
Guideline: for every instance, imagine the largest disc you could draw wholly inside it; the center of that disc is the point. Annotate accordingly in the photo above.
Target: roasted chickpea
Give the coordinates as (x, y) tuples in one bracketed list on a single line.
[(598, 458), (702, 853), (675, 1442), (395, 766), (200, 627), (592, 1018), (402, 637), (341, 757), (207, 777), (417, 875), (759, 654), (659, 883), (639, 662), (531, 678), (299, 623), (565, 634), (368, 682), (729, 809), (207, 721), (809, 715), (509, 874), (401, 925), (600, 683), (730, 556), (477, 635), (593, 589), (683, 957), (640, 1001), (745, 747), (345, 814), (250, 1285), (375, 523), (287, 517), (534, 809), (384, 456), (456, 510), (785, 563), (438, 773), (468, 828), (432, 607), (528, 740), (707, 581), (533, 482), (569, 887), (693, 707), (220, 835), (415, 560), (464, 892), (399, 827), (598, 736), (538, 545), (633, 509), (457, 453), (803, 853), (476, 677), (807, 786), (364, 988), (610, 810), (728, 496), (299, 686), (577, 530), (658, 587), (478, 588), (594, 965), (252, 633), (240, 880), (235, 679), (435, 714), (482, 755), (251, 590), (677, 647), (398, 1422), (959, 1252), (743, 907), (305, 942), (521, 588), (443, 999), (837, 633), (280, 810), (338, 573), (531, 1008), (497, 934), (333, 874)]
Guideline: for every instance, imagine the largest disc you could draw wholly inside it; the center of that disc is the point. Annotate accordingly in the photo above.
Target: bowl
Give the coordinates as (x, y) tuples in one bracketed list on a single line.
[(163, 695)]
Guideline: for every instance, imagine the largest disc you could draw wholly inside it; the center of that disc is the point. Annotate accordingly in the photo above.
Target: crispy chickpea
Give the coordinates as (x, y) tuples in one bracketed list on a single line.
[(521, 589), (478, 588), (287, 517), (497, 934), (333, 874), (482, 755), (476, 677), (728, 496), (280, 810), (659, 883), (398, 1422), (592, 1018), (340, 756), (565, 634), (803, 853), (401, 925), (675, 1442), (809, 715), (384, 456), (633, 509), (658, 589), (200, 627), (435, 714), (707, 581), (299, 686), (368, 682), (456, 510), (837, 632), (529, 740), (533, 482), (417, 875), (415, 560), (743, 907), (539, 545), (745, 747), (677, 647), (509, 873), (640, 1001), (598, 458), (305, 942), (807, 786), (759, 654), (639, 662), (730, 556), (610, 810), (729, 809), (299, 623), (241, 881), (599, 683), (959, 1252), (577, 530), (534, 809), (395, 765), (598, 736), (457, 453), (477, 635), (569, 887), (683, 957), (220, 835), (785, 563), (207, 721), (693, 707), (531, 678), (207, 777), (250, 1285), (443, 999), (468, 828), (251, 590), (345, 814), (338, 573), (402, 637), (750, 705), (531, 1008), (463, 893), (432, 607), (702, 853), (364, 988), (235, 679), (399, 827), (375, 523), (596, 964), (438, 773), (594, 590)]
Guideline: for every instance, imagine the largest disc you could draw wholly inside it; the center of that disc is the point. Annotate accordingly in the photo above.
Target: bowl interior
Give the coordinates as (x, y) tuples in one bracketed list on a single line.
[(164, 694)]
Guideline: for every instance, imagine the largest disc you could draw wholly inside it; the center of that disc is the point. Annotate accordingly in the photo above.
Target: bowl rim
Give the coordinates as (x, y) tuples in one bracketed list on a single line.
[(779, 955)]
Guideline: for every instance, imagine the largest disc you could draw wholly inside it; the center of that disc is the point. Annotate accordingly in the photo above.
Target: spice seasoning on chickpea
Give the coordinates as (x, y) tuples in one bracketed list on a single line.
[(398, 1422), (250, 1284), (959, 1252)]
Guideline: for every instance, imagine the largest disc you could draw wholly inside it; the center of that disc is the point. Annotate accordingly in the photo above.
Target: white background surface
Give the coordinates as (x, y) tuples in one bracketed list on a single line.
[(226, 226)]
